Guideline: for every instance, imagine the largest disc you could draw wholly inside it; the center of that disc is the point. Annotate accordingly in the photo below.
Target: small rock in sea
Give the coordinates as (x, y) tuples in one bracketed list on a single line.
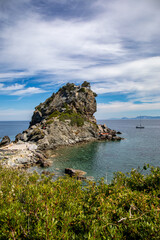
[(75, 172), (5, 141), (119, 132)]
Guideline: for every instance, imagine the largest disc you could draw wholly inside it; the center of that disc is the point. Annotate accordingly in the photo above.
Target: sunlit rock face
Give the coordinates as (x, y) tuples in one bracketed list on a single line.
[(65, 118), (69, 98)]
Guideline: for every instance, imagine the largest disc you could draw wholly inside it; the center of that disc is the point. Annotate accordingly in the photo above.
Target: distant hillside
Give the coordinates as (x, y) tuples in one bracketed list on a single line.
[(143, 117)]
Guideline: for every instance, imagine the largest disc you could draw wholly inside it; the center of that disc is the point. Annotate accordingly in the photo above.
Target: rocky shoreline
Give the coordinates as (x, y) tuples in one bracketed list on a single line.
[(20, 154), (64, 119)]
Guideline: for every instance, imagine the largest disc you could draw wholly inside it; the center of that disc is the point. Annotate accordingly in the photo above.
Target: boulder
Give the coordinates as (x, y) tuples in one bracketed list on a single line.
[(5, 141), (18, 137), (41, 160), (113, 133), (36, 135), (75, 172)]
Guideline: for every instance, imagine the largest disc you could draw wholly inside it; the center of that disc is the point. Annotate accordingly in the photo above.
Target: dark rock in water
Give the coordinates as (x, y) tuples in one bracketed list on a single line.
[(5, 141), (43, 163), (106, 133), (42, 160), (119, 132), (113, 133), (116, 138), (75, 172)]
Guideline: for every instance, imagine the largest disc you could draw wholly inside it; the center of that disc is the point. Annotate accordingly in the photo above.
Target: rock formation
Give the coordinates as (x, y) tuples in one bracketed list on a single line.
[(64, 118), (5, 141)]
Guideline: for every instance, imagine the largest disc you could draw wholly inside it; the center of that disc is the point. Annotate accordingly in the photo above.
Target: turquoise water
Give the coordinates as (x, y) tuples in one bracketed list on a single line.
[(102, 159)]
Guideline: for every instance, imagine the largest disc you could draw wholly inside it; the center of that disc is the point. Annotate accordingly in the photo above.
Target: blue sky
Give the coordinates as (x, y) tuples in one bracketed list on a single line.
[(112, 44)]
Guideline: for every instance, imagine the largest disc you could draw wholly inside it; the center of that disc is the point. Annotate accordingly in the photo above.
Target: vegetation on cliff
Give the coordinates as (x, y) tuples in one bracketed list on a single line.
[(34, 207), (71, 100), (76, 118)]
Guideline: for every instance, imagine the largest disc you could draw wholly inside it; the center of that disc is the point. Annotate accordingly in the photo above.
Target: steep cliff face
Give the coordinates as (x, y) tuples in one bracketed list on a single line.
[(69, 99), (64, 118)]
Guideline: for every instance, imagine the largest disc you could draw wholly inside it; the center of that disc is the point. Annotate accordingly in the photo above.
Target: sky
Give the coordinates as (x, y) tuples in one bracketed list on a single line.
[(115, 45)]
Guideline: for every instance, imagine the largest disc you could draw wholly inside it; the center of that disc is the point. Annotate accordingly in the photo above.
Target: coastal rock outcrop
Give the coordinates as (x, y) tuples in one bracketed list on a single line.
[(65, 118), (69, 99), (5, 141), (106, 133), (75, 172)]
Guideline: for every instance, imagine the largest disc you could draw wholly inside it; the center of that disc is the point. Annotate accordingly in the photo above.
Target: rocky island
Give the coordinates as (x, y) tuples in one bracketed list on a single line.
[(65, 118)]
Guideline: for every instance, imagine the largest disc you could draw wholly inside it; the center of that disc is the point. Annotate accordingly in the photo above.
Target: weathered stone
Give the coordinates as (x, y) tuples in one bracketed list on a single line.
[(36, 118), (42, 161), (5, 141), (75, 172), (22, 160), (113, 133), (40, 156), (36, 135), (71, 98), (18, 137)]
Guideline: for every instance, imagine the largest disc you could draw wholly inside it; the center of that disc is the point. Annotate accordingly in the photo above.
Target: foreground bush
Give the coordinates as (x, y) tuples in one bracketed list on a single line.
[(34, 207)]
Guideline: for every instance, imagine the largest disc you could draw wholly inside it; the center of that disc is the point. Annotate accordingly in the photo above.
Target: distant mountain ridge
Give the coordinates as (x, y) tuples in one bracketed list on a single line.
[(143, 117), (134, 118)]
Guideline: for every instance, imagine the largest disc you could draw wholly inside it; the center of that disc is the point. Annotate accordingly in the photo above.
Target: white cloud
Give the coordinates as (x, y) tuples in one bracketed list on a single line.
[(114, 109), (56, 46), (19, 90), (116, 48), (28, 91), (11, 76), (11, 87)]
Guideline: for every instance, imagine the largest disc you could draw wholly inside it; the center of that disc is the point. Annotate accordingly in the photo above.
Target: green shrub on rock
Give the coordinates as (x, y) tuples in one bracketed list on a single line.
[(86, 84), (75, 118), (54, 114)]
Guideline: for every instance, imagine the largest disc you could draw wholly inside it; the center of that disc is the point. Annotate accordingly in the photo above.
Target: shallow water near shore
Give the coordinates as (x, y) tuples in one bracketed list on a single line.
[(102, 159)]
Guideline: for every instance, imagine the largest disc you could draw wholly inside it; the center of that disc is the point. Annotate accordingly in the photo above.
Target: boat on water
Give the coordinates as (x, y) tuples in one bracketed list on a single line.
[(140, 125)]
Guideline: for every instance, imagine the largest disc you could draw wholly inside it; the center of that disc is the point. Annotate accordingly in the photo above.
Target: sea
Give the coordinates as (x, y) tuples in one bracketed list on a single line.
[(102, 159)]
